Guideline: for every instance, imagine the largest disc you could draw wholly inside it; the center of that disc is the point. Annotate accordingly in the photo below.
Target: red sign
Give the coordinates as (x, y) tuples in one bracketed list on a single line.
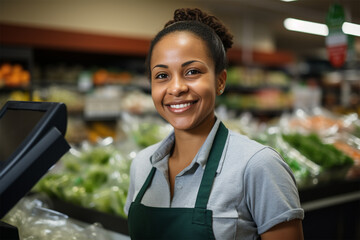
[(336, 41), (337, 55)]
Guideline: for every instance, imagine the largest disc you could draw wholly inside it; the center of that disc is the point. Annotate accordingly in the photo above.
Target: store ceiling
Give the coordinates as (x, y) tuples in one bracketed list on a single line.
[(273, 12)]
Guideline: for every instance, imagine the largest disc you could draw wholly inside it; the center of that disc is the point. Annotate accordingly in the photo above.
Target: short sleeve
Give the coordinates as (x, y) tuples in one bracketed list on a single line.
[(270, 190)]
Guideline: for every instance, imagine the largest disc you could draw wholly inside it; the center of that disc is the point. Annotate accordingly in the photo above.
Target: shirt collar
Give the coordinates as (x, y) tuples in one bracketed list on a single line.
[(200, 158)]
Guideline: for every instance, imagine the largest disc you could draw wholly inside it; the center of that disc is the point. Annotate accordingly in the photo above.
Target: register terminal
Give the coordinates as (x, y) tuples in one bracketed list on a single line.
[(31, 141)]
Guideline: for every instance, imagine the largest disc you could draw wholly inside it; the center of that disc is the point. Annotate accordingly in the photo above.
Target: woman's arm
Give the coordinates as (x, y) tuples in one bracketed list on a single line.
[(291, 230)]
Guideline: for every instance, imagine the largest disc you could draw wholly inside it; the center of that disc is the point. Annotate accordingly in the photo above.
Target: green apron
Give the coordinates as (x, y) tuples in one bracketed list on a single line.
[(179, 223)]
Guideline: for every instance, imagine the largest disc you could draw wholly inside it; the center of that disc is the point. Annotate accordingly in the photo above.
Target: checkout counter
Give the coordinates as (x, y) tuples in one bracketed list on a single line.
[(31, 141)]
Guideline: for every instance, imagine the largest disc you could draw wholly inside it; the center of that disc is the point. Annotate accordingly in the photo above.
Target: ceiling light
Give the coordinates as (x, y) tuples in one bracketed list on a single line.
[(351, 29), (288, 0), (306, 26)]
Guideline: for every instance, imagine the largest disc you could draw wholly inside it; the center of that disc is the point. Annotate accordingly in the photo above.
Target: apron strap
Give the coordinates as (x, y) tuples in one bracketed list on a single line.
[(211, 167), (145, 185), (209, 172)]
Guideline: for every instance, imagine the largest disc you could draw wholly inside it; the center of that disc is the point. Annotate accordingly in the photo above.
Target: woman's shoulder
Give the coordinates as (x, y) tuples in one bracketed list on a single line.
[(242, 143), (252, 152)]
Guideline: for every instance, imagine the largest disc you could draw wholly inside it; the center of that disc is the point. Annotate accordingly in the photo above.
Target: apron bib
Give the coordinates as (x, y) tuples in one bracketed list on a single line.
[(179, 223)]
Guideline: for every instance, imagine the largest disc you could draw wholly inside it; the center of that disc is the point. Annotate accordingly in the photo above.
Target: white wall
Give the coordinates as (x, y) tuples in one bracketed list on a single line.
[(141, 18)]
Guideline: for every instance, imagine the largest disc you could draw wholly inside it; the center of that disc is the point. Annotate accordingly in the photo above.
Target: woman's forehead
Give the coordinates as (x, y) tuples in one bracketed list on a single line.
[(180, 43)]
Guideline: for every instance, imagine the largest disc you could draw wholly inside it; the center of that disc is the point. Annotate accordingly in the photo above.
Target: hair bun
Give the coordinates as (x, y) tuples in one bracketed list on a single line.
[(195, 14)]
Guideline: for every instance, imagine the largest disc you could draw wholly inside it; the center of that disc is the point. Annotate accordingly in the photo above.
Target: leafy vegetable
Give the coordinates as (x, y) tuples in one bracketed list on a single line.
[(311, 146), (97, 178), (147, 134)]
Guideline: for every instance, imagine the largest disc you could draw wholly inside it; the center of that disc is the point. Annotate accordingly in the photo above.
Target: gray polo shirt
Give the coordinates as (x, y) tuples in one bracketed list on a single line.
[(254, 189)]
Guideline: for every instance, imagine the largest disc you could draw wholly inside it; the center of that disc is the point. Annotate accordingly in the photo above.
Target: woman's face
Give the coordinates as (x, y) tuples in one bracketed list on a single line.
[(183, 81)]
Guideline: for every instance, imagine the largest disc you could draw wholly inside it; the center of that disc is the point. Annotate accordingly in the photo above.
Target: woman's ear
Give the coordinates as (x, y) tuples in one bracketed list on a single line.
[(221, 82)]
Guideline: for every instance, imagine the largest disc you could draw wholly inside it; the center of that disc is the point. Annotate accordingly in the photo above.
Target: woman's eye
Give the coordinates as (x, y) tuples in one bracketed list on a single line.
[(161, 76), (192, 72)]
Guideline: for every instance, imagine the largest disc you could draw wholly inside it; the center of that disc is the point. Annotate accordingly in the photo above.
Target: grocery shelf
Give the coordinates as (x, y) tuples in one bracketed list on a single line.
[(42, 37), (72, 40), (278, 58), (15, 53), (23, 55), (332, 210), (11, 89), (253, 89), (330, 194)]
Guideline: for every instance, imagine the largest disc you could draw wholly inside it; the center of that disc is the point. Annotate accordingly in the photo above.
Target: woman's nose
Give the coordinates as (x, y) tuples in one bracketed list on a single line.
[(177, 86)]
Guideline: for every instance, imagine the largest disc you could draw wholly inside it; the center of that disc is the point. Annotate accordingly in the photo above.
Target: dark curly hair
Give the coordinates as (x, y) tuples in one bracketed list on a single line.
[(208, 27)]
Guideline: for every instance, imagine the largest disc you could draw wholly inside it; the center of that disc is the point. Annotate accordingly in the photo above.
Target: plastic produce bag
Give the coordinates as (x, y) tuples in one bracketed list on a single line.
[(326, 139), (35, 221), (317, 120), (305, 171)]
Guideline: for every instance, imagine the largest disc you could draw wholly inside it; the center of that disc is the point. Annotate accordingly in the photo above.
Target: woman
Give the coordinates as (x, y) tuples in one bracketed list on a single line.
[(204, 181)]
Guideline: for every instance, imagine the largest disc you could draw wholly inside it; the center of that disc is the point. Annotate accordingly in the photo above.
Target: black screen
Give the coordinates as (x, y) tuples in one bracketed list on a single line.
[(15, 126)]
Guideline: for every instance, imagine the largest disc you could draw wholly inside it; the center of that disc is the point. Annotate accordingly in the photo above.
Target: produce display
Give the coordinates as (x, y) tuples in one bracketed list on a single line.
[(311, 146), (13, 75), (348, 150), (73, 99), (103, 76), (356, 131), (144, 130), (96, 178), (304, 170), (256, 77), (266, 99), (147, 134)]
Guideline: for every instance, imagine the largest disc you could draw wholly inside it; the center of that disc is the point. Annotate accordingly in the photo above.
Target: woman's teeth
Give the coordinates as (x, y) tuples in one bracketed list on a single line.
[(180, 105)]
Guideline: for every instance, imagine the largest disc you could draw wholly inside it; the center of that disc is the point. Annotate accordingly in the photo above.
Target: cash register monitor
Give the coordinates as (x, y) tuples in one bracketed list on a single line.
[(15, 126), (31, 141)]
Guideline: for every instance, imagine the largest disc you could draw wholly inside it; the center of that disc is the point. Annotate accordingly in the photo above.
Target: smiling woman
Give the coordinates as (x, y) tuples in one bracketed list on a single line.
[(204, 181), (183, 81)]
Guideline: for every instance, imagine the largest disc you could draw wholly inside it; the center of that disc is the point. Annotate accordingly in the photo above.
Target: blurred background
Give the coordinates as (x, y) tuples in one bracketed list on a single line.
[(293, 83)]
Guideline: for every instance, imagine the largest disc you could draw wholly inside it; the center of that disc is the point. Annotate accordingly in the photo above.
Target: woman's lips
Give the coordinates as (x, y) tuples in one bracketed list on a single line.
[(180, 107)]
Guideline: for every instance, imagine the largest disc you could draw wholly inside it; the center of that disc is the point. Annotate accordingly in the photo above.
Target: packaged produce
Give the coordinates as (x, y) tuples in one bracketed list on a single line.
[(144, 131), (349, 145), (320, 121), (244, 124), (95, 177), (34, 220), (356, 128), (311, 146), (325, 138), (306, 172)]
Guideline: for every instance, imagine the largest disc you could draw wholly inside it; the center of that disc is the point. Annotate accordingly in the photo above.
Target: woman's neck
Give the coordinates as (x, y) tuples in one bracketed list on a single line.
[(188, 143)]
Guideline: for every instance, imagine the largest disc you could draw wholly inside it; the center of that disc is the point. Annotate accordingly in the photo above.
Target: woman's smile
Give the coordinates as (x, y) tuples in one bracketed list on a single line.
[(180, 107)]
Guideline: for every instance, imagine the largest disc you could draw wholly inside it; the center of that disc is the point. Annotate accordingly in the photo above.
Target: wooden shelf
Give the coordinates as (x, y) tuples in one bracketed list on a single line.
[(71, 40), (278, 58), (254, 89), (41, 37)]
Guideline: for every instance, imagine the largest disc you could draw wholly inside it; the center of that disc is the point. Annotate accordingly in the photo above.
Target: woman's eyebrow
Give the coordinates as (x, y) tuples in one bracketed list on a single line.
[(160, 66), (182, 65), (189, 62)]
